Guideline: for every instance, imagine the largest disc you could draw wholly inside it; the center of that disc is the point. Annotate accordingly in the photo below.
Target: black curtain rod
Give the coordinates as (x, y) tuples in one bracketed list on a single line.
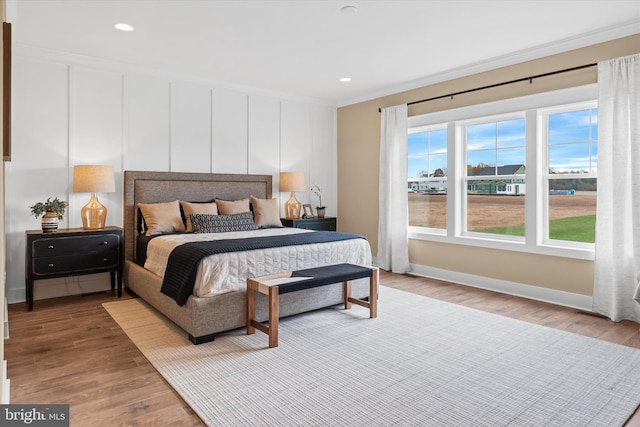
[(524, 79)]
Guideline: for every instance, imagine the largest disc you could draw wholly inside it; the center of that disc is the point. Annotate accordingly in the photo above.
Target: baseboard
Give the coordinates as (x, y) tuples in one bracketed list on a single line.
[(553, 296), (62, 287), (15, 295)]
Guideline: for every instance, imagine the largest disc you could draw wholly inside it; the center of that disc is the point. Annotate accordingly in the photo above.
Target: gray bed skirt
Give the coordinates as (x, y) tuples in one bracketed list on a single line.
[(202, 318)]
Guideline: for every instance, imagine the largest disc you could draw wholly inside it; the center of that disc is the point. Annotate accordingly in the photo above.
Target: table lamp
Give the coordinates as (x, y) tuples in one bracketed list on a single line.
[(292, 181), (93, 179)]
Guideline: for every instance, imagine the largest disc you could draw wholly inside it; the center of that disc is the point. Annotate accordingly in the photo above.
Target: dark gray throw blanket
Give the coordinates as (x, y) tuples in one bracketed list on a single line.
[(182, 266)]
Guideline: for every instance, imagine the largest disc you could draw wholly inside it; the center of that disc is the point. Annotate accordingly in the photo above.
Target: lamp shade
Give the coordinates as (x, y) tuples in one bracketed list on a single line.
[(292, 181), (93, 179)]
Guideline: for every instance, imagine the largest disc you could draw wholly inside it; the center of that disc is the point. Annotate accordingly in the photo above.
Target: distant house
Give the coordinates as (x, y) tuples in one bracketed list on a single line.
[(506, 181), (428, 184)]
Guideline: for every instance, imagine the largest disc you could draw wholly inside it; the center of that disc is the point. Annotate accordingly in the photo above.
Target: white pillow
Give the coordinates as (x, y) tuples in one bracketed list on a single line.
[(161, 218), (266, 212), (232, 207)]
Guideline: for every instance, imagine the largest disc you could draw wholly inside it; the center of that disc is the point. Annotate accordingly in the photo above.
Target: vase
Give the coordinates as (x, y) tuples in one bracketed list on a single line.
[(320, 212), (49, 222)]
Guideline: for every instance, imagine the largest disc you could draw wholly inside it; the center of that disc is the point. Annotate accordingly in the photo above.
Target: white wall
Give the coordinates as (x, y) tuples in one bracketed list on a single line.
[(69, 110)]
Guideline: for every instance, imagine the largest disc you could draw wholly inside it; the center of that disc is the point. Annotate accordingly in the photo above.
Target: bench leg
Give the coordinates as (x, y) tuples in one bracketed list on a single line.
[(251, 310), (373, 295), (274, 315), (346, 289), (372, 304)]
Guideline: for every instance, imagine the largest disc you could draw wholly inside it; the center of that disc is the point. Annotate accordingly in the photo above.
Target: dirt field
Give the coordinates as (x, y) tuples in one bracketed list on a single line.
[(495, 211)]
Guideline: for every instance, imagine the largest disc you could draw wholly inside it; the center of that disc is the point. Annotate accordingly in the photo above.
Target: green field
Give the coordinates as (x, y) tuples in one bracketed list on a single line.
[(574, 229)]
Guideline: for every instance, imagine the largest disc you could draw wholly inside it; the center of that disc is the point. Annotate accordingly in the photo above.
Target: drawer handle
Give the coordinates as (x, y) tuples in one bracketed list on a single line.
[(50, 247), (50, 264), (104, 243), (105, 259)]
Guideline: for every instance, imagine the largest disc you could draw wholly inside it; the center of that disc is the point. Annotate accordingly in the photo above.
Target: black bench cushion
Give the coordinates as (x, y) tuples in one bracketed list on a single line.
[(325, 276)]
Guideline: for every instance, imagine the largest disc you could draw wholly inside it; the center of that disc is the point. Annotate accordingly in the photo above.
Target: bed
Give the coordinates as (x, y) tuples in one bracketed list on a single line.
[(203, 314)]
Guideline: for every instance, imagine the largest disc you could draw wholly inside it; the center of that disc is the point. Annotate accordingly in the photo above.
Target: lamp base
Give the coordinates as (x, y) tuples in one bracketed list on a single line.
[(292, 207), (94, 214)]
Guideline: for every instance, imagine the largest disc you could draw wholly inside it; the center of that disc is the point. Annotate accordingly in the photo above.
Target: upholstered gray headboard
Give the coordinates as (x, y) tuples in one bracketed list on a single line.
[(157, 187)]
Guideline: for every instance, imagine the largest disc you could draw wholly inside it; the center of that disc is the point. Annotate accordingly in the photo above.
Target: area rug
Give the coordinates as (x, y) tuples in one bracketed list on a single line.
[(421, 362)]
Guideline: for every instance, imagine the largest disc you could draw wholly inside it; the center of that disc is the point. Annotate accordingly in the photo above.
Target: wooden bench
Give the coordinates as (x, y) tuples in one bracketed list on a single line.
[(282, 283)]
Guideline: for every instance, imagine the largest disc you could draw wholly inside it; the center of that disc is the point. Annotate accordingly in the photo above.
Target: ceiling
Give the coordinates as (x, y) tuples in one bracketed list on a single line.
[(302, 48)]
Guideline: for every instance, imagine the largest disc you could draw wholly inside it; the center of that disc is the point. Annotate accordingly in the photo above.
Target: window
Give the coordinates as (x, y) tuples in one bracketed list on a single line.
[(495, 169), (427, 181), (571, 169), (519, 174)]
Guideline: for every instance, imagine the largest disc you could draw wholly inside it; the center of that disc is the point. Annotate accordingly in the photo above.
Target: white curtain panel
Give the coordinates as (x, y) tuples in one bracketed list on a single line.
[(393, 251), (617, 248)]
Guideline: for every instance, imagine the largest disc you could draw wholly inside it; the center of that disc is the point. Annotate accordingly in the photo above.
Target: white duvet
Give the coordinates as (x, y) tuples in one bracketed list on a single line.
[(221, 273)]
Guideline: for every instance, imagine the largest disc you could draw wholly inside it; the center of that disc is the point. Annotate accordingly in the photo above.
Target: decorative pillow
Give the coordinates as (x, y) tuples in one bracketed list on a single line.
[(197, 208), (202, 223), (226, 207), (162, 218), (266, 212)]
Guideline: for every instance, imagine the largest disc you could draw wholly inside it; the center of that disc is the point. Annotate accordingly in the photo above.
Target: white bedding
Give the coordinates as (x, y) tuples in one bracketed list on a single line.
[(222, 273)]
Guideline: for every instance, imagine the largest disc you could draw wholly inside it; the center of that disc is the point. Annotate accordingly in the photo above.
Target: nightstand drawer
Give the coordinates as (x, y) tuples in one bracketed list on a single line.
[(74, 245), (318, 224), (76, 263)]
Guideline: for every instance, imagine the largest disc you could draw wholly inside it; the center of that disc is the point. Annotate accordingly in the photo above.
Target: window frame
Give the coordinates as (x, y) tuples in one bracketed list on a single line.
[(430, 128), (543, 118), (536, 157), (466, 179)]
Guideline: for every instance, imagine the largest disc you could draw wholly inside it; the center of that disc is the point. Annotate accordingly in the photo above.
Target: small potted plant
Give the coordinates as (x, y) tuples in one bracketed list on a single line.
[(52, 211), (320, 208)]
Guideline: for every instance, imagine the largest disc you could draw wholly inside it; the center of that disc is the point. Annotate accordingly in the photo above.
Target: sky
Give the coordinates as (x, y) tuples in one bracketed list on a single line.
[(572, 144)]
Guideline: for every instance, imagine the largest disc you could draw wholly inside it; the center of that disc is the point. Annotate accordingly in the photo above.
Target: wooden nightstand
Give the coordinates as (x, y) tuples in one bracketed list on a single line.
[(71, 252), (320, 224)]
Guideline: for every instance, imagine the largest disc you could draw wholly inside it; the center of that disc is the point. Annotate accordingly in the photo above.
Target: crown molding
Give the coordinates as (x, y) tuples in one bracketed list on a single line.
[(560, 46), (568, 44)]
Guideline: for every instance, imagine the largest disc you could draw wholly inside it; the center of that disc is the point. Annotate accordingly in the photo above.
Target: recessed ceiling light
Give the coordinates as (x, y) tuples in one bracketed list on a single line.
[(123, 27), (349, 9), (345, 79)]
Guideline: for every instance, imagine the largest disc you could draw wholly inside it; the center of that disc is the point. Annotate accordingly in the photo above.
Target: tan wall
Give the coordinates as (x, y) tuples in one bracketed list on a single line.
[(358, 162)]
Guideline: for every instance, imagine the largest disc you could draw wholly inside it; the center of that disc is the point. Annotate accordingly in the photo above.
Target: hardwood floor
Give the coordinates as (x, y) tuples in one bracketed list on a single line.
[(69, 350)]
